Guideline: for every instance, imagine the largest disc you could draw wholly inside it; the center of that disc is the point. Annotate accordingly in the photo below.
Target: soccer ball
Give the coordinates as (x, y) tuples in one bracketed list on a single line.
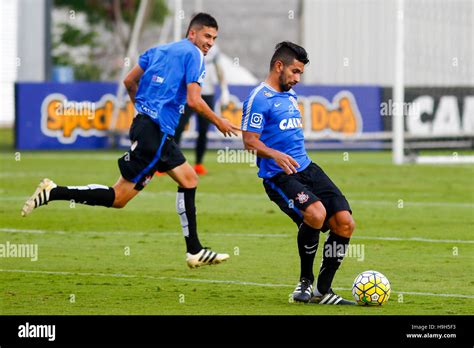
[(371, 288)]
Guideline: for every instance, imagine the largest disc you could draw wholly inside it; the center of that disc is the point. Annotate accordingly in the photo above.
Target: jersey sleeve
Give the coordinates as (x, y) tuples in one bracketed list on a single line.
[(254, 113), (195, 68), (144, 59)]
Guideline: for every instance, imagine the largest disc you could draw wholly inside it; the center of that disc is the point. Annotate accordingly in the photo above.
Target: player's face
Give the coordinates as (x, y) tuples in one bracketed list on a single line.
[(203, 38), (290, 75)]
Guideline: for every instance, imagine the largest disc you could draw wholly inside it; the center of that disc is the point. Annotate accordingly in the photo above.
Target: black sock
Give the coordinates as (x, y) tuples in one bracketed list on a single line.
[(91, 194), (308, 239), (334, 251), (186, 209)]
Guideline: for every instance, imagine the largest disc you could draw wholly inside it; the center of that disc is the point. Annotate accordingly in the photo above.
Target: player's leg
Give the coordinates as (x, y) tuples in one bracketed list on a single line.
[(308, 237), (183, 121), (146, 142), (116, 196), (279, 189), (341, 225), (124, 192), (187, 180), (201, 143), (47, 191), (308, 241), (314, 215)]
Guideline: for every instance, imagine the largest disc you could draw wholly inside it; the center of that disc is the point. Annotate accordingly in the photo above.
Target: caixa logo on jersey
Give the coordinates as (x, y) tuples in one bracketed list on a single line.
[(65, 119), (338, 116)]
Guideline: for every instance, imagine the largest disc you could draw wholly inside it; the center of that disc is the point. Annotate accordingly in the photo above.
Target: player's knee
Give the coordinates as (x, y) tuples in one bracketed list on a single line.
[(191, 180), (315, 215), (119, 203), (120, 200), (346, 228)]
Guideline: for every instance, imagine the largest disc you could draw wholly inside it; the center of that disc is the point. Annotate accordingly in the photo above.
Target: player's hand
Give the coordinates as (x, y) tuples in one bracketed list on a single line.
[(286, 162), (226, 127)]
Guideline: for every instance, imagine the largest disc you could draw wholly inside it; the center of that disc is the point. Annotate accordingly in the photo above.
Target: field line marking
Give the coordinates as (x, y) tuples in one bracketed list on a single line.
[(15, 230), (416, 204), (262, 197), (416, 239), (209, 281), (236, 234), (393, 203), (74, 157), (157, 233)]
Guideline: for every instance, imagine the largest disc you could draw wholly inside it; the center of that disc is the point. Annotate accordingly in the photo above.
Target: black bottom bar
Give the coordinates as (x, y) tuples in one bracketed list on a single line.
[(227, 330)]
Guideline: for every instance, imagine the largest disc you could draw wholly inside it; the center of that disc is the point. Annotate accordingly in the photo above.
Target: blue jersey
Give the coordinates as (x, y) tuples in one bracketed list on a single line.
[(168, 69), (276, 117)]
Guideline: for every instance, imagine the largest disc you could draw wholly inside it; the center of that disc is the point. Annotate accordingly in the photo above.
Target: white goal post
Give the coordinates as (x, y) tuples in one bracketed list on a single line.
[(420, 21)]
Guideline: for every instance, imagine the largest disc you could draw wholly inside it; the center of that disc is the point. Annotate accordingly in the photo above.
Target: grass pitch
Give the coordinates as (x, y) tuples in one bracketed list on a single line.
[(414, 224)]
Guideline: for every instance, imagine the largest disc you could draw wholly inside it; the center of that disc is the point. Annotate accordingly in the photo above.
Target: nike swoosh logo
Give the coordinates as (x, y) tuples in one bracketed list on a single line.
[(277, 105), (310, 247)]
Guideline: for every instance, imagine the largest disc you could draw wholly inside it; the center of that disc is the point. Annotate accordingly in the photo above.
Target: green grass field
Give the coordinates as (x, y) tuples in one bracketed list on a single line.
[(415, 224)]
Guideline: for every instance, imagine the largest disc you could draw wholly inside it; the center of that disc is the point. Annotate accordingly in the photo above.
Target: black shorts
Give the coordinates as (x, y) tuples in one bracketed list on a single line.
[(151, 151), (293, 193)]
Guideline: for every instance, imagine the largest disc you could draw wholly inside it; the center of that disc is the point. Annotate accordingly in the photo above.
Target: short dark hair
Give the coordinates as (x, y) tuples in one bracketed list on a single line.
[(202, 20), (287, 51)]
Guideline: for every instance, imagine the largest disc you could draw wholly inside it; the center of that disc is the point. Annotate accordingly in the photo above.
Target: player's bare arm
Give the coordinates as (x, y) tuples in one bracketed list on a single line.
[(131, 81), (253, 143), (195, 101)]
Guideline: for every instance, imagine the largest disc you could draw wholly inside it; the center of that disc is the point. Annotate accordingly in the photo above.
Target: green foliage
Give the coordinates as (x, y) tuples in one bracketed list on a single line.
[(73, 36), (101, 11), (87, 72), (98, 12)]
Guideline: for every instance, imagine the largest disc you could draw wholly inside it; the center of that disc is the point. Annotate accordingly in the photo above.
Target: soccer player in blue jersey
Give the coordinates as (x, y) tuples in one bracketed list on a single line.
[(164, 80), (272, 126)]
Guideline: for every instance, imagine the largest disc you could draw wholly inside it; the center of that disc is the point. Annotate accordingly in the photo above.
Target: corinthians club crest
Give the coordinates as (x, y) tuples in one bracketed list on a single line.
[(302, 197)]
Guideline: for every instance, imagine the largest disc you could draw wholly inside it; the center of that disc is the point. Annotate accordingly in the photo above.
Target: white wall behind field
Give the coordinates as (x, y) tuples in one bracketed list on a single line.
[(22, 50), (353, 42), (249, 29), (32, 40), (350, 41), (8, 61)]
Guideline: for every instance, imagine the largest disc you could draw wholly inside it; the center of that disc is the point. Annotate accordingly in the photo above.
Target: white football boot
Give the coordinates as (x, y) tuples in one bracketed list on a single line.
[(330, 298), (40, 197), (205, 257)]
